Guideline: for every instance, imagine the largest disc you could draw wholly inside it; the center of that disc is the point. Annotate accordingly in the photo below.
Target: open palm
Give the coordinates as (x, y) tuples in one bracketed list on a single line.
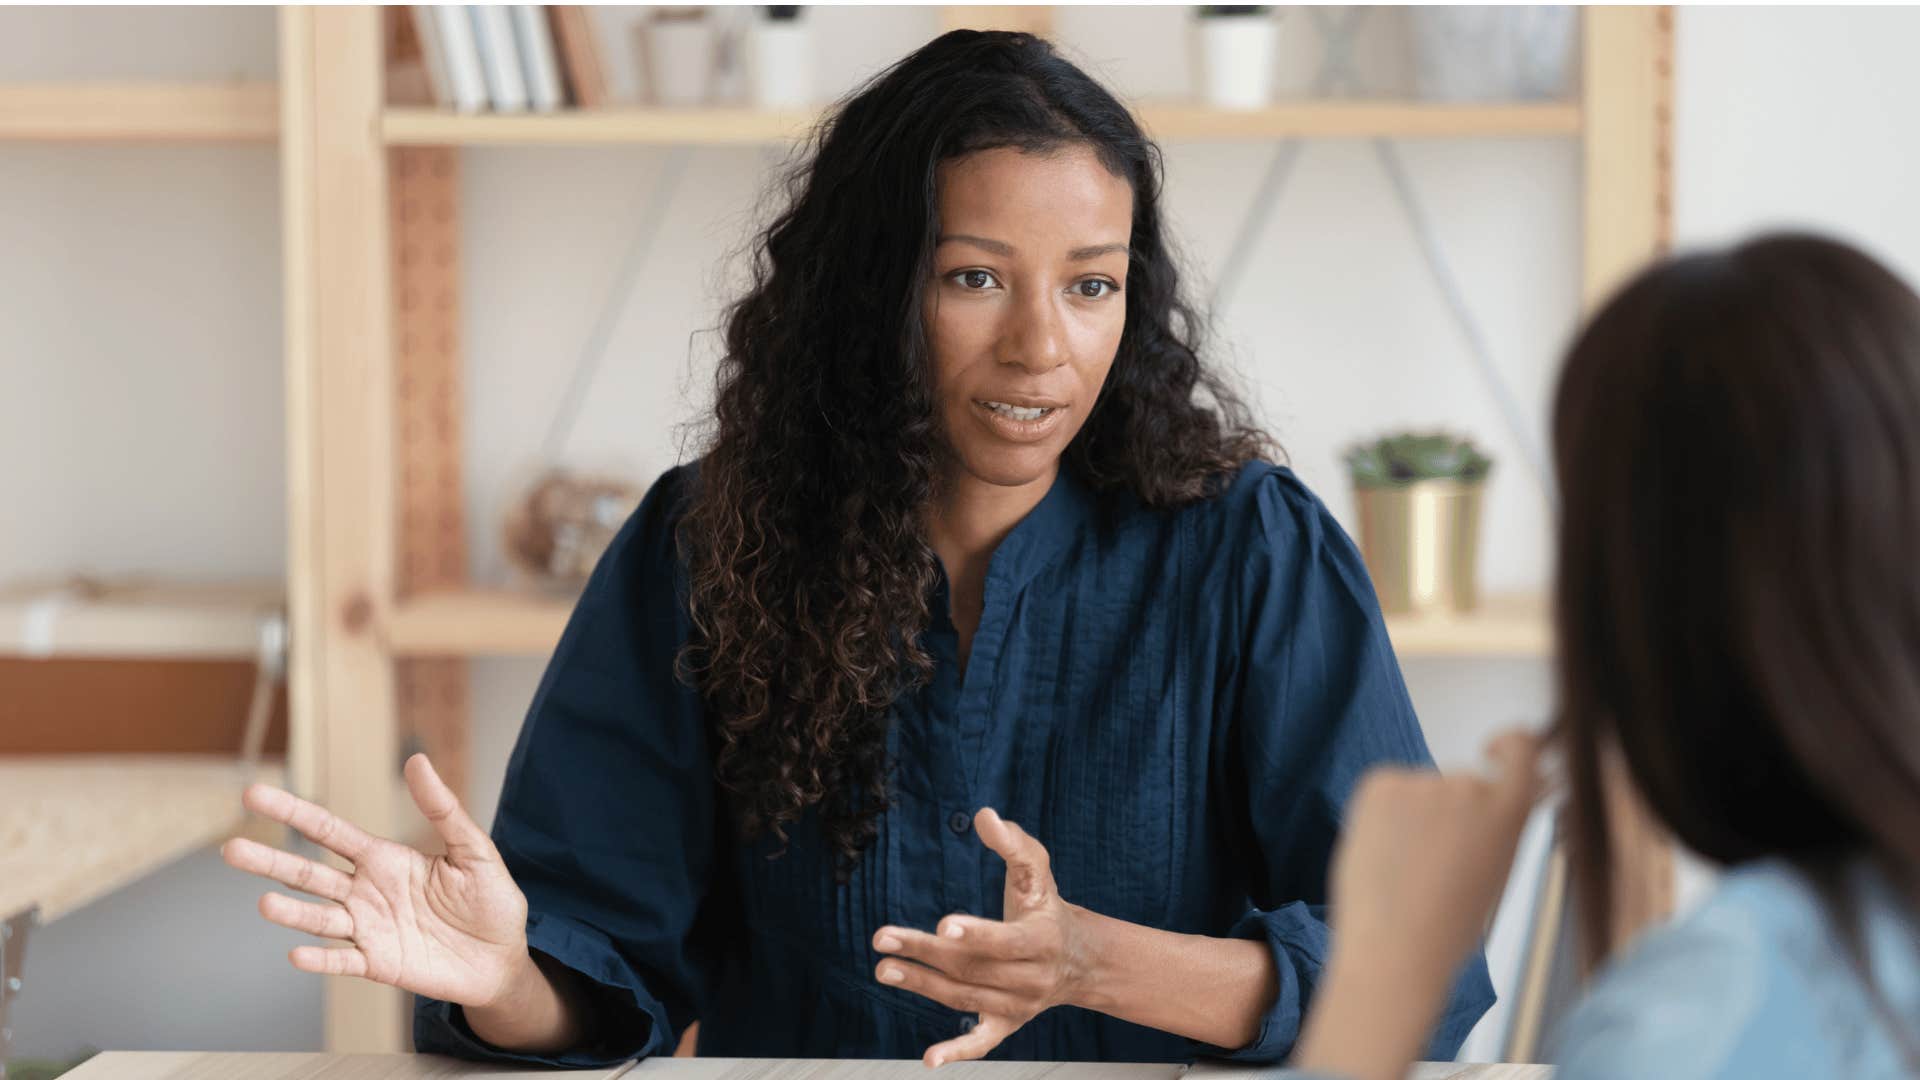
[(448, 926)]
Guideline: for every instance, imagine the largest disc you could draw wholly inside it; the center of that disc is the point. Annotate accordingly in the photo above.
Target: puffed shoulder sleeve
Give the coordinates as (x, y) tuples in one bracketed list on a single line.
[(1321, 700)]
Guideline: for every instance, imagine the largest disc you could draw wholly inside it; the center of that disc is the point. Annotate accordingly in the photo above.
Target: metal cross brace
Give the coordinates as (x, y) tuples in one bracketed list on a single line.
[(646, 228), (13, 954), (1337, 28)]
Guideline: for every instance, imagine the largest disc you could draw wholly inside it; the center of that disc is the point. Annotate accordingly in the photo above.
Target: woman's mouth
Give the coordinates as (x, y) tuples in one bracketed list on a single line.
[(1019, 423), (1016, 412)]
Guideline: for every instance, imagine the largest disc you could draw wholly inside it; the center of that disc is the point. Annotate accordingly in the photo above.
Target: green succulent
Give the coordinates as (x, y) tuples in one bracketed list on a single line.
[(1397, 460)]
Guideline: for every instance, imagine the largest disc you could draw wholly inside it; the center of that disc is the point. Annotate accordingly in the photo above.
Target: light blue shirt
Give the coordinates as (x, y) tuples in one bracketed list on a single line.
[(1756, 983)]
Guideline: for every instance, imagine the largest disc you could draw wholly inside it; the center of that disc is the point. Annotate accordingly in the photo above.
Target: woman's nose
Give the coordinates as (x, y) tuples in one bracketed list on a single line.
[(1035, 338)]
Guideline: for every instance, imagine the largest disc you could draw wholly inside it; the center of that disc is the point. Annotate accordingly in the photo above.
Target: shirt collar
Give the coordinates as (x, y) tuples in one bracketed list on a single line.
[(1047, 532)]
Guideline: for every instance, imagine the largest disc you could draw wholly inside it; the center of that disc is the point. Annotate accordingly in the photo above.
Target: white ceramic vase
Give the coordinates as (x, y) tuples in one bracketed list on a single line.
[(782, 51), (682, 57), (1236, 60)]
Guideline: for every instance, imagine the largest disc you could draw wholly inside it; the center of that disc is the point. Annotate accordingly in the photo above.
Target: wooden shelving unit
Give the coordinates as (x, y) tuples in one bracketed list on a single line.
[(377, 586), (140, 112)]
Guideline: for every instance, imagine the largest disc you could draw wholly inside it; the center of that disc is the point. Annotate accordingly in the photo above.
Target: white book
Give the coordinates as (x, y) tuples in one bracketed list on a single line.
[(534, 35), (434, 53), (454, 29), (499, 59)]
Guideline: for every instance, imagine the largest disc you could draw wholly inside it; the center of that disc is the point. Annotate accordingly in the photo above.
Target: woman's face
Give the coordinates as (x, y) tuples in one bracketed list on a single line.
[(1025, 311)]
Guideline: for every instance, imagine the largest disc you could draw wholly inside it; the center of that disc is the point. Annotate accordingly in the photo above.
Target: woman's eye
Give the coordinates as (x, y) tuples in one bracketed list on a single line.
[(974, 280), (1095, 289)]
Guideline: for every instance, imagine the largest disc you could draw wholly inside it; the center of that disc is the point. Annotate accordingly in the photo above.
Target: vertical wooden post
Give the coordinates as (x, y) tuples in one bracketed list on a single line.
[(1628, 206), (340, 444), (427, 402), (1627, 107)]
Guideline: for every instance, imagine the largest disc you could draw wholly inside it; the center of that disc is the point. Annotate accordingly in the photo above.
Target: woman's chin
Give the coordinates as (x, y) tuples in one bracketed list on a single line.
[(1011, 466)]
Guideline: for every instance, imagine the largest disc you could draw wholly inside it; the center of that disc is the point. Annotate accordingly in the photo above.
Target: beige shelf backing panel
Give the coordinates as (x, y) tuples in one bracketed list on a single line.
[(1173, 122), (75, 828), (1504, 625), (479, 622), (140, 112), (144, 619)]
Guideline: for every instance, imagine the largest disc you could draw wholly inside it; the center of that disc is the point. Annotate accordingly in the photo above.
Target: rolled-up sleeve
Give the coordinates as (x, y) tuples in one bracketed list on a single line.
[(1321, 701), (607, 818)]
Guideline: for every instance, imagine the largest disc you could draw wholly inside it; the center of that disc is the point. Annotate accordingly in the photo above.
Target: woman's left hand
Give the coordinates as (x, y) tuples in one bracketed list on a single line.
[(1006, 971)]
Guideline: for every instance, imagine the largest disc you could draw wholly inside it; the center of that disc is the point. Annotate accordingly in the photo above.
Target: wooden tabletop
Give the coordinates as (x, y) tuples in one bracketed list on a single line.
[(196, 1066)]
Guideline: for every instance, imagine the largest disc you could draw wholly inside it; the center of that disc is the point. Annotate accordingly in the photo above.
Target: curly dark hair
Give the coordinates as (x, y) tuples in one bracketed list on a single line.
[(808, 561)]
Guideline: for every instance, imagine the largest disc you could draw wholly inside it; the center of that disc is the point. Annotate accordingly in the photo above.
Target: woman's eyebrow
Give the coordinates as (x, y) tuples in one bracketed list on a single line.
[(1000, 247), (995, 246)]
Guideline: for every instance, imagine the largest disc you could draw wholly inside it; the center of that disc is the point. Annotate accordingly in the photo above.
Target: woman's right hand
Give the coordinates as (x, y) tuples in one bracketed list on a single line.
[(452, 927)]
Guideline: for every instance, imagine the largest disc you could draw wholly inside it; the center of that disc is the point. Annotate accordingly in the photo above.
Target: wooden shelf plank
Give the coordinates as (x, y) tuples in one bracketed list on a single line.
[(143, 619), (736, 126), (1505, 625), (74, 828), (507, 623), (1360, 119), (140, 112), (478, 622), (717, 126)]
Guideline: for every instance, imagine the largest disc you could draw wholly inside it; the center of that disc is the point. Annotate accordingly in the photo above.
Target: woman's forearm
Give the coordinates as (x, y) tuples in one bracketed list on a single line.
[(1215, 990), (1372, 1015), (541, 1013)]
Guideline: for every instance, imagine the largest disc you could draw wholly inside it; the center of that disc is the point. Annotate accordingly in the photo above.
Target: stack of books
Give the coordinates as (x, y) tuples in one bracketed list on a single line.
[(509, 58)]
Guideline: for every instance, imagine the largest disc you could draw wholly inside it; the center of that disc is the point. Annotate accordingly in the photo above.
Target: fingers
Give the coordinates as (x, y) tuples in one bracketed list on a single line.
[(343, 961), (462, 835), (316, 823), (1515, 756), (286, 868), (980, 951), (954, 994), (320, 920), (1029, 869), (978, 1043)]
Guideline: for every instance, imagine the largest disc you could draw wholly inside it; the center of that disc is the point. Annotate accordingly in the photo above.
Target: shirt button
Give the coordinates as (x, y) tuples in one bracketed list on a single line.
[(959, 822), (966, 1024)]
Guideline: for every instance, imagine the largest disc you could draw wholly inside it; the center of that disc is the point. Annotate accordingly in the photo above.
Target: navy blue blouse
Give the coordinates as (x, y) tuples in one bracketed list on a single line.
[(1176, 704)]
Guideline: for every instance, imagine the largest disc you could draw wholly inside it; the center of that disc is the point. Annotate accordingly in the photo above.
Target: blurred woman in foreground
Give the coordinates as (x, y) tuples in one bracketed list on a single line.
[(1737, 437)]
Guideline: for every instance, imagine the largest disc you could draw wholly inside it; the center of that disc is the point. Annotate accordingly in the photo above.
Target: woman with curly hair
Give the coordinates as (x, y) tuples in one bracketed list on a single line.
[(976, 533)]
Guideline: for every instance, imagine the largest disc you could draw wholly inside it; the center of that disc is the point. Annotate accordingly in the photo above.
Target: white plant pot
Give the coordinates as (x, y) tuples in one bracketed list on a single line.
[(1236, 60), (682, 58), (1478, 53), (782, 64)]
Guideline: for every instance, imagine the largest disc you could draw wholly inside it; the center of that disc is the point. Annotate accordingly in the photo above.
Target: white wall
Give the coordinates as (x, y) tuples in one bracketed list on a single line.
[(140, 390)]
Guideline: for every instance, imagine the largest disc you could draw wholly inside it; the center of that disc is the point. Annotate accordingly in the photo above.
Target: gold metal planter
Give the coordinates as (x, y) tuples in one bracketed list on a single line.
[(1421, 542)]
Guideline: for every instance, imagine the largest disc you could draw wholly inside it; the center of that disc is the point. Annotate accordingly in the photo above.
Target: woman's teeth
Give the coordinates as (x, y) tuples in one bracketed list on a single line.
[(1014, 412)]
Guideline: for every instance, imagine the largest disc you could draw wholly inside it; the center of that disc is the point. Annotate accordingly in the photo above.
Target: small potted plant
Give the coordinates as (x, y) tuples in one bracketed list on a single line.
[(1237, 44), (1419, 496)]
